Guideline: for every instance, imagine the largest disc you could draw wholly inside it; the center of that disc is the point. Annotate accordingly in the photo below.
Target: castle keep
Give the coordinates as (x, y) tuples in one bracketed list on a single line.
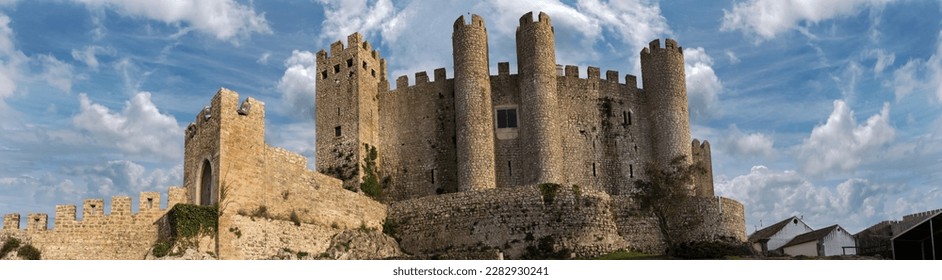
[(480, 131), (461, 162)]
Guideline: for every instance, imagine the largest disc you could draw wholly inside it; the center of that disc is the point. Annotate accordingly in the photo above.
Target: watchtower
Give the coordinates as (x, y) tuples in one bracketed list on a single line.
[(474, 121), (665, 87), (347, 113), (536, 62)]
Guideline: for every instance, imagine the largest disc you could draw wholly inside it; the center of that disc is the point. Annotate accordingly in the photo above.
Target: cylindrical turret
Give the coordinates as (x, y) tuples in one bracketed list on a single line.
[(474, 122), (665, 90), (536, 65)]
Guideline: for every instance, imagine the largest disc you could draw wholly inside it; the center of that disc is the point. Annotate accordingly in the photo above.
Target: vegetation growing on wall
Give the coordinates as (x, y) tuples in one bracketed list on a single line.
[(666, 193), (371, 184), (28, 252), (549, 191), (188, 221), (8, 246)]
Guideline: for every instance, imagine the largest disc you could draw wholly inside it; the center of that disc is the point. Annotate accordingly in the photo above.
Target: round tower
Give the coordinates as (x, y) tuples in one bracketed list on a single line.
[(665, 89), (536, 67), (474, 122)]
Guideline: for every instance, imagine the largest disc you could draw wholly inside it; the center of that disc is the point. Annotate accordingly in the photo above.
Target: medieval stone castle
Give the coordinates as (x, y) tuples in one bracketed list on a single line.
[(458, 161)]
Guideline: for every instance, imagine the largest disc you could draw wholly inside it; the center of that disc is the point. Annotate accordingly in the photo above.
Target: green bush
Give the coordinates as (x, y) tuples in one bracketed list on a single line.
[(9, 246), (709, 250), (189, 220), (549, 191), (161, 249), (28, 252)]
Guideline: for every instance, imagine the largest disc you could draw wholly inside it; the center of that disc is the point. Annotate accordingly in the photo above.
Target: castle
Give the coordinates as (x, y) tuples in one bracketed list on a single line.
[(459, 162)]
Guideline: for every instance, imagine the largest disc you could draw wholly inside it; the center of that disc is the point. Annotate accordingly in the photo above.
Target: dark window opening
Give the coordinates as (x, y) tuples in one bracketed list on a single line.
[(338, 111), (629, 118), (631, 171), (150, 202), (364, 65), (433, 176), (795, 221), (506, 118), (373, 72), (454, 141), (349, 63), (351, 74), (206, 184), (324, 74), (510, 168), (337, 131), (93, 206), (593, 170), (337, 68)]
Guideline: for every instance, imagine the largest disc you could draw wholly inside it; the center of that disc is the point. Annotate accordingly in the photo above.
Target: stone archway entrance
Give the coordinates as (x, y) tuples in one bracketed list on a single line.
[(206, 184)]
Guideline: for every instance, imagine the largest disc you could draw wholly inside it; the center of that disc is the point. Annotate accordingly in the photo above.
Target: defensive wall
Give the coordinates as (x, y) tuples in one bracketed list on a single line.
[(120, 234), (586, 223)]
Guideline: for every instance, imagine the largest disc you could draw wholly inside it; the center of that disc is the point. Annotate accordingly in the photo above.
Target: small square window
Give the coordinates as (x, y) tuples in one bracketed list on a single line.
[(324, 74), (507, 118), (337, 68), (373, 71), (364, 65), (349, 62), (337, 131)]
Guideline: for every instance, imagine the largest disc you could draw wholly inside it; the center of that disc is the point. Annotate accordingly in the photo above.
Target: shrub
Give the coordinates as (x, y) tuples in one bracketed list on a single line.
[(161, 249), (334, 225), (9, 246), (28, 252), (549, 191), (261, 211), (708, 250), (189, 220)]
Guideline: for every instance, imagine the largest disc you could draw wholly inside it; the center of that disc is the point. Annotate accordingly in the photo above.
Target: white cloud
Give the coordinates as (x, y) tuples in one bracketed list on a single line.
[(89, 55), (768, 18), (703, 87), (733, 59), (123, 177), (905, 79), (883, 60), (56, 72), (343, 17), (297, 85), (224, 19), (751, 145), (263, 59), (11, 60), (842, 144), (139, 129), (770, 196)]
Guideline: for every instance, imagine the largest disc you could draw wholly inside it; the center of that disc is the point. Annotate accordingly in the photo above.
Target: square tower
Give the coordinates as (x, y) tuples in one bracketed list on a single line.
[(346, 107)]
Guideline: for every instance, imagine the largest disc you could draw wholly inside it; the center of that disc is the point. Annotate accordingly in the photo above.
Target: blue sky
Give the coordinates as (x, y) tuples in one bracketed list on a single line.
[(828, 110)]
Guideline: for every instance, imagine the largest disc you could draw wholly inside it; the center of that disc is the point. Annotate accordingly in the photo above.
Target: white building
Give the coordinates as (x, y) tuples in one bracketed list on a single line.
[(829, 241), (772, 238)]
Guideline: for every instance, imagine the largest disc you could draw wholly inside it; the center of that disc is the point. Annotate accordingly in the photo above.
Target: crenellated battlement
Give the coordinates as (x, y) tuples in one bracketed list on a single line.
[(476, 22), (655, 46), (421, 78), (526, 21)]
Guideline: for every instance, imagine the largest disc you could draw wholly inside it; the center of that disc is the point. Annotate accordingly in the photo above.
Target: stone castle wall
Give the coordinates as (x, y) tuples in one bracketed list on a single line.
[(121, 234), (586, 222)]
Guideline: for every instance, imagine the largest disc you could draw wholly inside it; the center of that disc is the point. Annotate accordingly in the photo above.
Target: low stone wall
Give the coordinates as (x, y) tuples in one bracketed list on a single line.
[(261, 238)]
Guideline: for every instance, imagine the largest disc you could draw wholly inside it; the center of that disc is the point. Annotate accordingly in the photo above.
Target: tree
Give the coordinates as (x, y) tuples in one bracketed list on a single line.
[(666, 193)]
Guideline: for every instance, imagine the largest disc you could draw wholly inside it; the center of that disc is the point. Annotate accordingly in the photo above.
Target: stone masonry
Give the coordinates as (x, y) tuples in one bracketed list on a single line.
[(462, 160)]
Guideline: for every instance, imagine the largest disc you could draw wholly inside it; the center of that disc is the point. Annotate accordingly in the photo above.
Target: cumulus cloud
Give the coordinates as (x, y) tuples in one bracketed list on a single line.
[(747, 145), (771, 195), (703, 86), (11, 60), (841, 144), (139, 129), (343, 17), (224, 19), (297, 85), (768, 18), (123, 177)]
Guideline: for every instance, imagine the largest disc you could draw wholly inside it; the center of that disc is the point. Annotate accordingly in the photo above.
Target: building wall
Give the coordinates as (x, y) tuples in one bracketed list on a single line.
[(834, 243), (791, 230), (809, 249)]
